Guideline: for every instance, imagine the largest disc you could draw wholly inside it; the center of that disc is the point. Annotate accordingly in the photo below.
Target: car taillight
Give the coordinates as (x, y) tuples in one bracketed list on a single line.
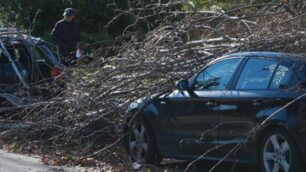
[(54, 72)]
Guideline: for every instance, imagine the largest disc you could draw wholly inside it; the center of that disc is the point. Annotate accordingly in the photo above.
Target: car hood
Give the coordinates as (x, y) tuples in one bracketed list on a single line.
[(141, 102)]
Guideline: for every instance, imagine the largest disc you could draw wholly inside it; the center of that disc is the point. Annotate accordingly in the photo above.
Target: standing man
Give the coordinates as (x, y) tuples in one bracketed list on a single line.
[(66, 35)]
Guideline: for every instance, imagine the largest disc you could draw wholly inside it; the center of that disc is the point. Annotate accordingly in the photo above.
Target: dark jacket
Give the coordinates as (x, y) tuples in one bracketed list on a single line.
[(66, 35)]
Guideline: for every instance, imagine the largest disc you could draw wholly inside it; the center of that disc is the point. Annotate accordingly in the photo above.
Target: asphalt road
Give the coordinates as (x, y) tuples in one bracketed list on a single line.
[(10, 162)]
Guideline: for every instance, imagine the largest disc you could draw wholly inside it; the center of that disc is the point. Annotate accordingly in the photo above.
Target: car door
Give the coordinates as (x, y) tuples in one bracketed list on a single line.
[(193, 113), (258, 92), (12, 73), (8, 74)]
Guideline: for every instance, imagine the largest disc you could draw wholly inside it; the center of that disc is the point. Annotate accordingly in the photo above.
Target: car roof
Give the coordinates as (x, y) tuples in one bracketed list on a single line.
[(281, 57)]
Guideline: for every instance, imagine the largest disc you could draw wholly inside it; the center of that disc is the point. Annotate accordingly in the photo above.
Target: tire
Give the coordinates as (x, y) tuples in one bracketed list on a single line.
[(140, 142), (279, 153)]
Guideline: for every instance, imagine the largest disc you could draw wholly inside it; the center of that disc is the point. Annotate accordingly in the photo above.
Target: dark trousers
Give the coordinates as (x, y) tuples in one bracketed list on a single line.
[(67, 54)]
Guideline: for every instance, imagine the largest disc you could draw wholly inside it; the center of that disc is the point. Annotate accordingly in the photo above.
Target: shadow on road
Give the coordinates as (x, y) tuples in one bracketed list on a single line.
[(205, 166)]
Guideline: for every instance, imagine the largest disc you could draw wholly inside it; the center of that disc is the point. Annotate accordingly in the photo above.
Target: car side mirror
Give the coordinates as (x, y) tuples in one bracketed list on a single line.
[(182, 85)]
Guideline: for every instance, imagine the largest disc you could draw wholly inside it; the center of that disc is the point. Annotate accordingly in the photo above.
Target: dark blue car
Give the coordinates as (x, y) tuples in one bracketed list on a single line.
[(245, 107), (25, 62)]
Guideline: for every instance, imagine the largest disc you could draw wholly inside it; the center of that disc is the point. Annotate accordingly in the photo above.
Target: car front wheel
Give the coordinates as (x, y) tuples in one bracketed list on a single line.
[(278, 153), (140, 143)]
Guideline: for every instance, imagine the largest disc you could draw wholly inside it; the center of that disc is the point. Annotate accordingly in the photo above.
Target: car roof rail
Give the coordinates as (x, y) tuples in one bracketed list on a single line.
[(8, 31)]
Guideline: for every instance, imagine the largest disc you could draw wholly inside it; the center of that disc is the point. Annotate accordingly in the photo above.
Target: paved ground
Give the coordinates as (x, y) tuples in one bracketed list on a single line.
[(10, 162)]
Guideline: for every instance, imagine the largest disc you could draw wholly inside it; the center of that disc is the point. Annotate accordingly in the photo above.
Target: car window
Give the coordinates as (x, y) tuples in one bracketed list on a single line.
[(256, 74), (281, 77), (216, 76), (39, 55), (49, 54), (17, 54)]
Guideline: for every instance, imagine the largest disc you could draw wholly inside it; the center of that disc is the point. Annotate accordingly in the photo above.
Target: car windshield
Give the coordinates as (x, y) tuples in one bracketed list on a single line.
[(19, 54), (45, 53)]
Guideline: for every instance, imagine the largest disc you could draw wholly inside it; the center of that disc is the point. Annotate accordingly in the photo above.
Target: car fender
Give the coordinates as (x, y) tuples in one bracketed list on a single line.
[(281, 124)]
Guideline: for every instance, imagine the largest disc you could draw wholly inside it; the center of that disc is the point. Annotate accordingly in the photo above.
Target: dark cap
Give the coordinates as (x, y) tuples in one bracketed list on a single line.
[(68, 12)]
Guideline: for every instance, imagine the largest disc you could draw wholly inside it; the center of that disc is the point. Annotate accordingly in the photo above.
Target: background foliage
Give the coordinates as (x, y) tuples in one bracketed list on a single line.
[(94, 15)]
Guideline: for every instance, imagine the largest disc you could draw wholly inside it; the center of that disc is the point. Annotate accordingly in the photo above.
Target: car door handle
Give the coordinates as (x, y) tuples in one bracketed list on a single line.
[(211, 104), (258, 103)]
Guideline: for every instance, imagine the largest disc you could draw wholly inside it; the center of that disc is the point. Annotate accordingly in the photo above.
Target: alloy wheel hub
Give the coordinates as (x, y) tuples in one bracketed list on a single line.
[(277, 154), (138, 144)]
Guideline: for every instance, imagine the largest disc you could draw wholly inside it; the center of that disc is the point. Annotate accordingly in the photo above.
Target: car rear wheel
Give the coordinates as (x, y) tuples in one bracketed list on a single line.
[(278, 153), (140, 143)]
